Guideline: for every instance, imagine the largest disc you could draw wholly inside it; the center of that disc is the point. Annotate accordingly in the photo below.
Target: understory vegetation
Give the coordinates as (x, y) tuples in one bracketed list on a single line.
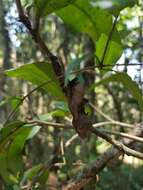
[(71, 95)]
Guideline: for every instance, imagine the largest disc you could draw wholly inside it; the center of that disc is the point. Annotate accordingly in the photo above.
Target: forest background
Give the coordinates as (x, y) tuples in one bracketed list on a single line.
[(71, 103)]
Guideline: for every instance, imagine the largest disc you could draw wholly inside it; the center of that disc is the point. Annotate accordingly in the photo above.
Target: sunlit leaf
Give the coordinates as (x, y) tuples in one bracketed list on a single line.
[(128, 83), (88, 19), (113, 51), (98, 24), (45, 7), (41, 74)]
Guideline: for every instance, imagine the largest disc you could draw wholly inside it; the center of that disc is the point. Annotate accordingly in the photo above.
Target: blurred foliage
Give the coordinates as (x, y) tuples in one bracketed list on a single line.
[(29, 151)]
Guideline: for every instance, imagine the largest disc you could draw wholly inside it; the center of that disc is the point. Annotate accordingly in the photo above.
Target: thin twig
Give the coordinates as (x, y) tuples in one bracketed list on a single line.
[(101, 113), (22, 100), (34, 33), (113, 123), (121, 134), (45, 123), (69, 142), (19, 104), (62, 151), (29, 93), (66, 126), (120, 146), (123, 64), (108, 40), (97, 125)]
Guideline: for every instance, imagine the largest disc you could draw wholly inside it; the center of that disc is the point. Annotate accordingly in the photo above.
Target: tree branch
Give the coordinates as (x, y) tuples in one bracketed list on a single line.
[(56, 125), (100, 112), (56, 64), (92, 169), (100, 124), (125, 135), (120, 146)]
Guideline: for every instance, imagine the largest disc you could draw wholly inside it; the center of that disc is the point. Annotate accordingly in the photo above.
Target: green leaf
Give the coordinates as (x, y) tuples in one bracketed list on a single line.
[(16, 187), (61, 106), (113, 51), (45, 7), (32, 172), (13, 101), (60, 109), (6, 175), (128, 83), (88, 19), (14, 151), (58, 113), (14, 137), (45, 117), (73, 66), (114, 6), (8, 129), (39, 73), (42, 179), (3, 169), (3, 102), (37, 171), (87, 110), (97, 23)]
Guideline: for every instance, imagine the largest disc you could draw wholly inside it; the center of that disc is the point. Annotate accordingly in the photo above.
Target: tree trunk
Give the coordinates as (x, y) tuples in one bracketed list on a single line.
[(6, 52)]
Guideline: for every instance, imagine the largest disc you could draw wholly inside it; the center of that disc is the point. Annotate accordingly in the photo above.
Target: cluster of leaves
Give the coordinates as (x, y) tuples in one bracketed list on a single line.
[(98, 21), (13, 138)]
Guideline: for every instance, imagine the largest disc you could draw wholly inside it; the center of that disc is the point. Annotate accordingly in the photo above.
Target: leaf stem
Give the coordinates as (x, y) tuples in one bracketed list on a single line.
[(108, 41)]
